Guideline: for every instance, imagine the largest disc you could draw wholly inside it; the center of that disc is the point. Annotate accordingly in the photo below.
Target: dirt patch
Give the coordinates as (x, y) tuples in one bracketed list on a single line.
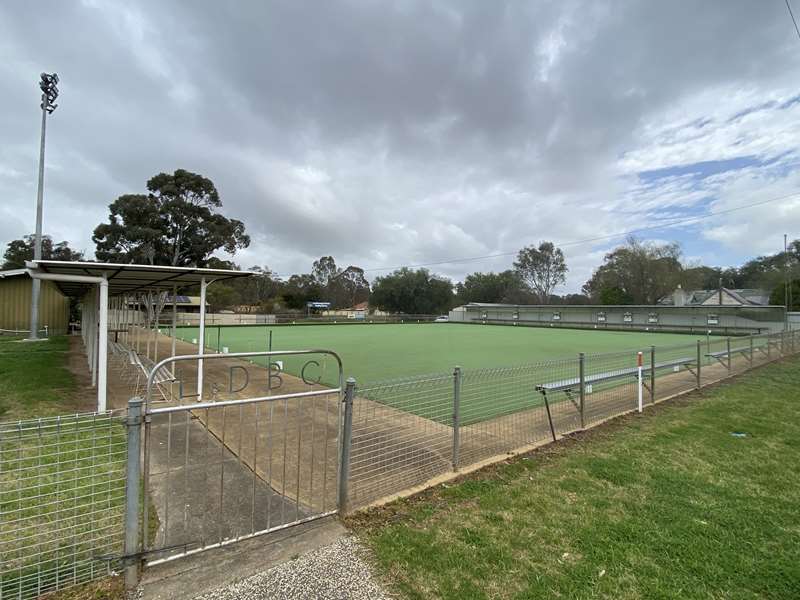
[(84, 399), (110, 588)]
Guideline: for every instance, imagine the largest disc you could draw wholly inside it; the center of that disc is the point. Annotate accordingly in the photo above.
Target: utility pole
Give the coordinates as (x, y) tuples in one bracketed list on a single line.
[(48, 85), (787, 280), (788, 267)]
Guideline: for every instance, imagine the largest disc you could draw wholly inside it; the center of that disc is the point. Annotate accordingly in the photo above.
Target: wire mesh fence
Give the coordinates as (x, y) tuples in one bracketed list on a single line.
[(409, 433), (62, 496), (63, 479), (233, 470), (401, 435)]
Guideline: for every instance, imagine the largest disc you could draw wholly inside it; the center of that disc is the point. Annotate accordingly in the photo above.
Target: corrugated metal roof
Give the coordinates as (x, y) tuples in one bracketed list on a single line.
[(130, 278)]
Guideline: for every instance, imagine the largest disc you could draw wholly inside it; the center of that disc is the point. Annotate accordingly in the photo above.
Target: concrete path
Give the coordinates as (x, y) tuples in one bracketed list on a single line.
[(219, 569), (206, 495)]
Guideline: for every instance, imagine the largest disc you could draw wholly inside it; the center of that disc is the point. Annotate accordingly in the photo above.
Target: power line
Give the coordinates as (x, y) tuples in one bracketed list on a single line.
[(672, 223), (791, 14)]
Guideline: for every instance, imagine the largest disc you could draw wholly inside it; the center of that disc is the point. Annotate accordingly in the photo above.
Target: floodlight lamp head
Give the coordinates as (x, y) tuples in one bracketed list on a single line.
[(48, 85)]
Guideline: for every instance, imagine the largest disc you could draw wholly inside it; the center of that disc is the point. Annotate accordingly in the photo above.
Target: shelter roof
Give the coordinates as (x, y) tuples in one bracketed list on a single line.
[(130, 278)]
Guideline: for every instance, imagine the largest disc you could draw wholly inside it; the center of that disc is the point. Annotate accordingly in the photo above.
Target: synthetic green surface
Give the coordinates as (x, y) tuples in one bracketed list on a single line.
[(377, 352)]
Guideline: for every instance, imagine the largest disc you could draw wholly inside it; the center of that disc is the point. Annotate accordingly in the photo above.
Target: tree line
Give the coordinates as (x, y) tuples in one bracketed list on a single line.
[(178, 222)]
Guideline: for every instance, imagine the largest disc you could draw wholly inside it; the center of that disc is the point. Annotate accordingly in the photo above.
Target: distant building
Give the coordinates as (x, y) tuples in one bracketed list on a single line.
[(719, 297), (736, 315), (357, 311)]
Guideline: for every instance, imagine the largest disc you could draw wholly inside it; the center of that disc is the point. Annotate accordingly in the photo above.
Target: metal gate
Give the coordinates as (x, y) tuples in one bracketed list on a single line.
[(244, 455)]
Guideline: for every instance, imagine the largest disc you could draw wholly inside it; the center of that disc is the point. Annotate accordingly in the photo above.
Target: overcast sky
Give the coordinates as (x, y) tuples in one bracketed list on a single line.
[(401, 133)]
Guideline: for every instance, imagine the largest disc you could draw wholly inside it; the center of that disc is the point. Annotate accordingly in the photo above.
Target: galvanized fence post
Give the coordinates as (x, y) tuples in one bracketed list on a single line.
[(456, 415), (699, 359), (751, 351), (728, 348), (582, 378), (652, 374), (347, 438), (133, 478)]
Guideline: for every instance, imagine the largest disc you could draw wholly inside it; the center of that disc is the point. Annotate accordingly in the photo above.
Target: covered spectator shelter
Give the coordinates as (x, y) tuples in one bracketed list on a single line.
[(104, 290)]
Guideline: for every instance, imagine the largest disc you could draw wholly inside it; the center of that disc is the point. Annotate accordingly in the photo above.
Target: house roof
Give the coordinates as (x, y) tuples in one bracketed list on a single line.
[(745, 296)]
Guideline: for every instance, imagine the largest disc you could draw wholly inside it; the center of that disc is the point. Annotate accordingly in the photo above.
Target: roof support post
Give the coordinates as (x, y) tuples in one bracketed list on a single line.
[(148, 311), (102, 359), (124, 304), (95, 318), (138, 316), (93, 336), (201, 341), (83, 320), (156, 315), (174, 323)]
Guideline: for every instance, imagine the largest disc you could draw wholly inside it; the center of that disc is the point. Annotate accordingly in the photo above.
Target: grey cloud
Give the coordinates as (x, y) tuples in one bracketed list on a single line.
[(438, 129)]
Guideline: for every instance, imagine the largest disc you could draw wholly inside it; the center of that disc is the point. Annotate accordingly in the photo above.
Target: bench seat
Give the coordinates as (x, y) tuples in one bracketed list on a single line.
[(569, 384), (722, 353)]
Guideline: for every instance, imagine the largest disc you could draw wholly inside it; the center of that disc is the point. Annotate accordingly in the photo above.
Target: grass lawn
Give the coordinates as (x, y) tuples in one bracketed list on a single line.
[(36, 381), (62, 476), (376, 352), (665, 505)]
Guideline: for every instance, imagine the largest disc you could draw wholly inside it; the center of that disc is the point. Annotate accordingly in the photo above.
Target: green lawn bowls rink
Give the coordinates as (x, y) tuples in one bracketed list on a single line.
[(380, 353), (409, 428)]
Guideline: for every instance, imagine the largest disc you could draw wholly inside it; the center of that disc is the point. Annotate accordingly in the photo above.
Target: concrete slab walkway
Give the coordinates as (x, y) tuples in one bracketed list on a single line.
[(219, 569)]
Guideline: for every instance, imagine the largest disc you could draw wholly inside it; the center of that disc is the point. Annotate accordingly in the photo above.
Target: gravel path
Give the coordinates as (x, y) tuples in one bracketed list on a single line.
[(333, 572)]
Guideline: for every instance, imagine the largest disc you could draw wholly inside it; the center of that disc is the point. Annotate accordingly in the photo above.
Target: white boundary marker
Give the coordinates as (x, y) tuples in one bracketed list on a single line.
[(639, 377)]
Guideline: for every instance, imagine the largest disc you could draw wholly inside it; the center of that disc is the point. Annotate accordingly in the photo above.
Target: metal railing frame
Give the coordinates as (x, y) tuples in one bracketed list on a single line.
[(140, 412)]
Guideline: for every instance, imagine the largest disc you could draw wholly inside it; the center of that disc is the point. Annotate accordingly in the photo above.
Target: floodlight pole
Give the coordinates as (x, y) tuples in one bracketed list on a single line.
[(49, 94)]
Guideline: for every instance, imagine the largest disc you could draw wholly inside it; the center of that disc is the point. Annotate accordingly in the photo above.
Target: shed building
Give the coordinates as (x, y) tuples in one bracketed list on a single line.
[(15, 304), (722, 319)]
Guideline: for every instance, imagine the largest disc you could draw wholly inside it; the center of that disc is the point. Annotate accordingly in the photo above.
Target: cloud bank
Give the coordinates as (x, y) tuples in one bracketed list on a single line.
[(409, 132)]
